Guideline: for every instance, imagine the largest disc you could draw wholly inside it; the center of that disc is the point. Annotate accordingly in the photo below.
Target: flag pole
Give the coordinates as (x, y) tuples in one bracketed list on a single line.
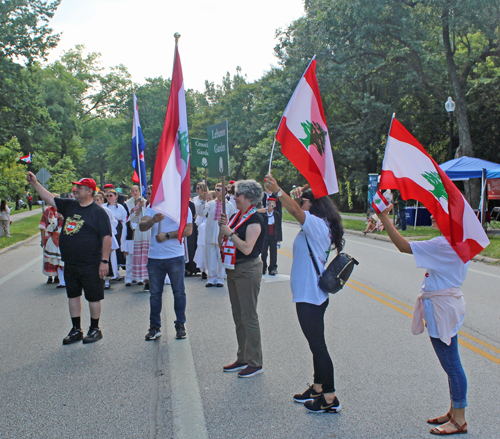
[(271, 159)]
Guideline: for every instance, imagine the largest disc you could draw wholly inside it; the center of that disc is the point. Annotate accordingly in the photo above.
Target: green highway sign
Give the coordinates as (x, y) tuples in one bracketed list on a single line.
[(218, 150)]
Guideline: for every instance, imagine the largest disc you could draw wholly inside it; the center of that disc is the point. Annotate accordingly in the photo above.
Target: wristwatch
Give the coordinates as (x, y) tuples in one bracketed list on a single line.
[(279, 193), (104, 261), (167, 235)]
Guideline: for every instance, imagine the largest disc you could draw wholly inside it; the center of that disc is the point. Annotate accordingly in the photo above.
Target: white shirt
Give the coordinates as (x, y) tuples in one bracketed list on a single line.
[(303, 278), (171, 248), (212, 230), (444, 270)]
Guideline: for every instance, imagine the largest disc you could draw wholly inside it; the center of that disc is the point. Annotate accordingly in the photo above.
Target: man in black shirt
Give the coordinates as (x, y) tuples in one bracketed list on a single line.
[(85, 244)]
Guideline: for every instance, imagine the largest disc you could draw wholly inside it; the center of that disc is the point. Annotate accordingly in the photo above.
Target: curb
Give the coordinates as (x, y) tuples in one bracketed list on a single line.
[(17, 244)]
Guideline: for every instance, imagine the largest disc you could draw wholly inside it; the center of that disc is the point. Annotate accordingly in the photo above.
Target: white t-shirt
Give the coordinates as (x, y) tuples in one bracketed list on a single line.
[(303, 278), (444, 270), (171, 248)]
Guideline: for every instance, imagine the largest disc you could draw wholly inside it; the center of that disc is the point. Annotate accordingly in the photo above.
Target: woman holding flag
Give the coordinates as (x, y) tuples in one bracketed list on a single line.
[(242, 240), (442, 306), (321, 230)]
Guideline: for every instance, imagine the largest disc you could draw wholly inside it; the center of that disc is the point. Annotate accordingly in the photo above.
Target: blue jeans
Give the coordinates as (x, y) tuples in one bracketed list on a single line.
[(157, 270), (450, 361)]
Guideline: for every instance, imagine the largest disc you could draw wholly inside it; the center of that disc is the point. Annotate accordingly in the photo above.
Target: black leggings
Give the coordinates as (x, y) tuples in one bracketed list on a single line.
[(311, 319)]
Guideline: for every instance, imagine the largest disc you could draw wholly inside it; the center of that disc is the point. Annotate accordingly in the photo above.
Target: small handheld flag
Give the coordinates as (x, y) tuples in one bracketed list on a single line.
[(26, 158), (138, 147), (379, 202)]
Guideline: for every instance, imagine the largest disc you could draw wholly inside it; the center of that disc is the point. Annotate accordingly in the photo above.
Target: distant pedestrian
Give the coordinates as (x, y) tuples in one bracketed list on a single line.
[(4, 219), (442, 306), (166, 257), (321, 230), (200, 201), (50, 229), (30, 201), (85, 244), (272, 220), (401, 211)]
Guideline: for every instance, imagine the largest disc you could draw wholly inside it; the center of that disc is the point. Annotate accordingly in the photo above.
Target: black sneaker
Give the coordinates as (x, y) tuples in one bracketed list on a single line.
[(153, 334), (308, 395), (146, 287), (235, 367), (203, 275), (319, 405), (93, 335), (180, 331), (273, 272), (250, 371), (76, 334)]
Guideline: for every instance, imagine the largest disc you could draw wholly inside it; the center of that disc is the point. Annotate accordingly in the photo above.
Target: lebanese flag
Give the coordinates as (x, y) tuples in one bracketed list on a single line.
[(304, 138), (171, 183), (379, 202), (138, 147), (26, 158), (409, 168)]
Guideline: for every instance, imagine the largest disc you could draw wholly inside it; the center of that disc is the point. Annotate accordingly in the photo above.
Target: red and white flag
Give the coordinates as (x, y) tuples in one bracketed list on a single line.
[(26, 158), (409, 168), (304, 138), (379, 202), (171, 183)]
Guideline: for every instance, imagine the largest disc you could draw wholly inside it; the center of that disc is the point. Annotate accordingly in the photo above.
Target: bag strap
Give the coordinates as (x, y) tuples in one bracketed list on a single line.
[(312, 257)]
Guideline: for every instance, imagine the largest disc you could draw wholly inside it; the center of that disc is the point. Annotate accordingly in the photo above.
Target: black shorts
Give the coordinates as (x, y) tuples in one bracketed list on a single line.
[(86, 277)]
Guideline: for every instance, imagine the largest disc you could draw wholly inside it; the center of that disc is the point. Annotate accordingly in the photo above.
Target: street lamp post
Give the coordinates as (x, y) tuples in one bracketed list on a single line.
[(450, 107)]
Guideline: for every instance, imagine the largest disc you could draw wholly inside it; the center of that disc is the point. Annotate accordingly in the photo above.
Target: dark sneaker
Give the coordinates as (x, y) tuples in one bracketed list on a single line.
[(76, 334), (234, 367), (273, 272), (180, 331), (250, 371), (140, 283), (203, 275), (308, 395), (153, 334), (319, 405), (219, 284), (56, 280), (209, 284), (93, 335), (146, 287), (49, 280)]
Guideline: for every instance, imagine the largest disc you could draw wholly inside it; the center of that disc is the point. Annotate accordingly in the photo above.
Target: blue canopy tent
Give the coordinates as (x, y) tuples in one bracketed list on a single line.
[(465, 167)]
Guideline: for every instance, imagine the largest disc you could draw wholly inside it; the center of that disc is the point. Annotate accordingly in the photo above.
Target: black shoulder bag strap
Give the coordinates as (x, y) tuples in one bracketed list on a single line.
[(312, 258)]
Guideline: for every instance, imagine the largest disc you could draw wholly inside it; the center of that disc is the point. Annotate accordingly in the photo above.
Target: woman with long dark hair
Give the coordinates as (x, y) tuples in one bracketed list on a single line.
[(321, 231)]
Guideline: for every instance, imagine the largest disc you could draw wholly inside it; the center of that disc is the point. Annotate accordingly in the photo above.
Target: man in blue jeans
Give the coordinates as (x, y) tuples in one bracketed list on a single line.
[(166, 256)]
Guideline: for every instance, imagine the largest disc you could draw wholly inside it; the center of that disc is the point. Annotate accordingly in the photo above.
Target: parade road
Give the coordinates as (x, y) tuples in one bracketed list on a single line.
[(388, 380)]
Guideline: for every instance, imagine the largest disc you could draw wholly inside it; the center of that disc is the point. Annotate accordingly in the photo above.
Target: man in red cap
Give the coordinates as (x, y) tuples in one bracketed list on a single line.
[(85, 244), (108, 186)]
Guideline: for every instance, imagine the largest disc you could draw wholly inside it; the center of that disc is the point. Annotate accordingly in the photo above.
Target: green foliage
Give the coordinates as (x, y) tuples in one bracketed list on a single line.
[(12, 171)]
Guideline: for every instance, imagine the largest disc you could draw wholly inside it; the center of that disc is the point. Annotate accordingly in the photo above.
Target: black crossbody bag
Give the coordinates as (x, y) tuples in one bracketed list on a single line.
[(336, 274)]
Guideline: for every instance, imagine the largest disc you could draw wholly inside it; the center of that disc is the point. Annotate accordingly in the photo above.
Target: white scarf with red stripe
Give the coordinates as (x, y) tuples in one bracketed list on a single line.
[(228, 249)]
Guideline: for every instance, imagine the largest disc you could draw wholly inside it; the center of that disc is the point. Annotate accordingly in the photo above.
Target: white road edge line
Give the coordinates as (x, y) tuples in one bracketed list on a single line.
[(20, 270), (188, 416)]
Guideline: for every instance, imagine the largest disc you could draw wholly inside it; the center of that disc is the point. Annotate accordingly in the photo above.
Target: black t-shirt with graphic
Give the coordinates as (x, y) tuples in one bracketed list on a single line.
[(82, 233)]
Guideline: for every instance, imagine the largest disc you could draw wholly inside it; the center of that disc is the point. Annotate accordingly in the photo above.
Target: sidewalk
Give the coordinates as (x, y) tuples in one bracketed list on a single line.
[(25, 214)]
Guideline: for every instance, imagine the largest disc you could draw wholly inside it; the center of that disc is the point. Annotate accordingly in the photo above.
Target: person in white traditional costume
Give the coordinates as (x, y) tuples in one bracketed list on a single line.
[(442, 306), (99, 199), (120, 214), (200, 202), (213, 210)]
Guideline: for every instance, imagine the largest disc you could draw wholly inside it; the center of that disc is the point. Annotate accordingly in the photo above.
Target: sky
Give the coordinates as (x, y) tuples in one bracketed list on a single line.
[(216, 36)]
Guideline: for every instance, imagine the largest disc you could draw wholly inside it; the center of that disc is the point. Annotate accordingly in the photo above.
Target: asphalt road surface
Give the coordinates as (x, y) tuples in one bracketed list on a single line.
[(388, 380)]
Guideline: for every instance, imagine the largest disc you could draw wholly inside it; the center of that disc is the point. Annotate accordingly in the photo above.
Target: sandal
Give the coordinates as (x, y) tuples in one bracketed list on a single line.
[(435, 421), (459, 429)]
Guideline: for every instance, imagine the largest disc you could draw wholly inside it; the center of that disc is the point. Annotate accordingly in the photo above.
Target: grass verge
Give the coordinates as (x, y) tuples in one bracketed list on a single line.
[(419, 234), (21, 229)]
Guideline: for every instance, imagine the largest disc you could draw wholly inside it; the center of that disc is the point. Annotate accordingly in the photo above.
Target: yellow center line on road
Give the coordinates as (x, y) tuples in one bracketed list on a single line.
[(358, 287)]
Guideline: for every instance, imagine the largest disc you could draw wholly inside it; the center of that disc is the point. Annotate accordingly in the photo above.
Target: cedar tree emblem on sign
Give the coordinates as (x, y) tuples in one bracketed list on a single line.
[(73, 225), (434, 179), (315, 136)]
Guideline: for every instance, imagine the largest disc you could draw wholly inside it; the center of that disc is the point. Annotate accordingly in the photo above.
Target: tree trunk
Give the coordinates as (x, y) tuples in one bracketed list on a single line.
[(465, 148)]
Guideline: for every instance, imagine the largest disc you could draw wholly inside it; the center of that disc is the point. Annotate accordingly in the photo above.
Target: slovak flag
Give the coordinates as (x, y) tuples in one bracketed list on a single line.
[(26, 158), (172, 182), (379, 202), (138, 147), (304, 138), (409, 168)]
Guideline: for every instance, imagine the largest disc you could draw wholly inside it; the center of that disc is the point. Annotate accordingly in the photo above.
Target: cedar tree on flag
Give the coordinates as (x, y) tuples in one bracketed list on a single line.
[(409, 168), (171, 183), (138, 147), (26, 158), (379, 202), (303, 136)]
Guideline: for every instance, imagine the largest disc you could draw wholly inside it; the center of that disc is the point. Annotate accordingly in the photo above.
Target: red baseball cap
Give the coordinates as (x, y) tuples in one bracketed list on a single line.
[(271, 199), (89, 182), (108, 186), (231, 182)]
